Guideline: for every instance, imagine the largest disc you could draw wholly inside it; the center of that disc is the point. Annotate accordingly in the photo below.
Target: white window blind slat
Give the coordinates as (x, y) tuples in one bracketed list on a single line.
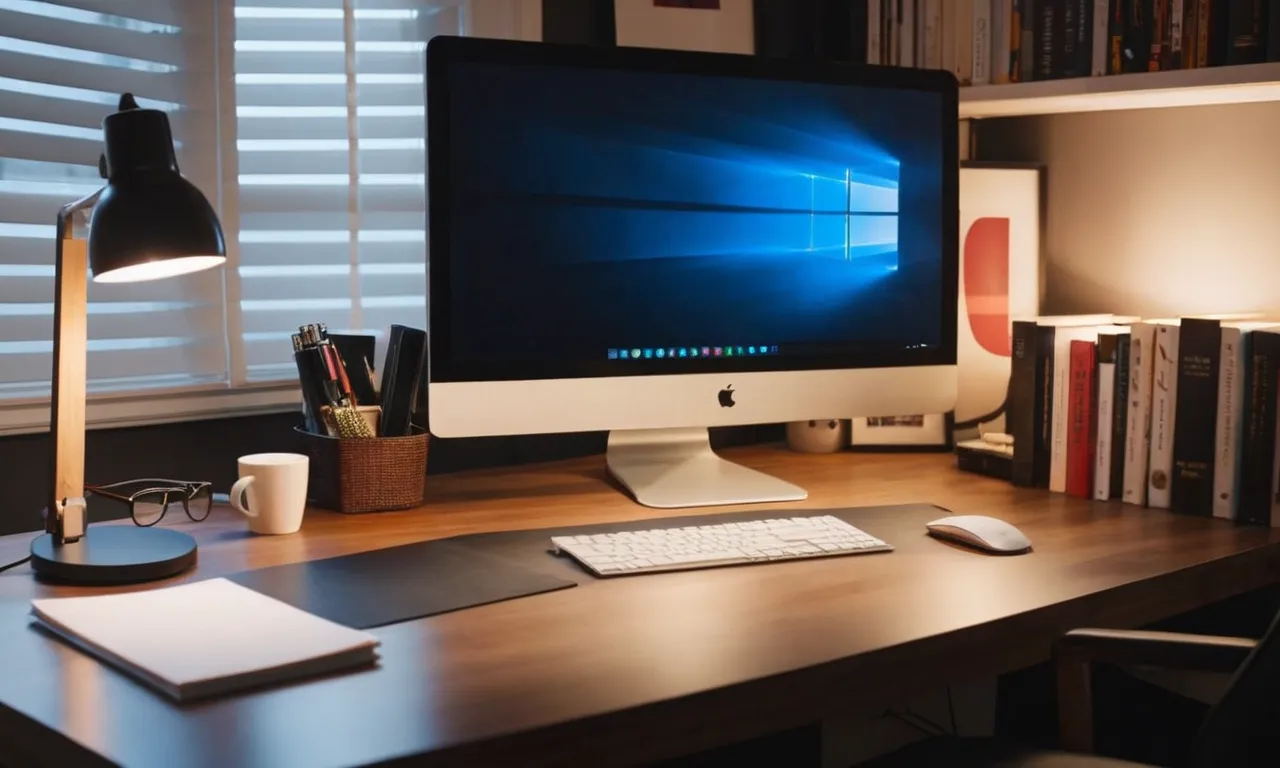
[(160, 50), (62, 66)]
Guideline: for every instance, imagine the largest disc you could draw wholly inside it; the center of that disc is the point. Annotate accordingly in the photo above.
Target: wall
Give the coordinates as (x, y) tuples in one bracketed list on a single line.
[(727, 30), (1155, 212)]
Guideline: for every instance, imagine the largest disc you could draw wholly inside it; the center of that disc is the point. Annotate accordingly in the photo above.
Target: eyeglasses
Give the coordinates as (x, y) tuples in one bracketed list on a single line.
[(149, 504)]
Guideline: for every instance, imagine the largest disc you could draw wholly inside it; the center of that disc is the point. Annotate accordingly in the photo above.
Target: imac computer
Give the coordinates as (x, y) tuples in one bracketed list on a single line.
[(657, 242)]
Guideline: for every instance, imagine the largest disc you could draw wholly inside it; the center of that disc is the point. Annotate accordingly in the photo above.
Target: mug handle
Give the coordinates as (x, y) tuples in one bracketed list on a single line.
[(237, 492)]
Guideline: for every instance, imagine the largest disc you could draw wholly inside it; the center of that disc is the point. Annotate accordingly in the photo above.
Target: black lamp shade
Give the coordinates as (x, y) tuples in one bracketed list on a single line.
[(148, 222)]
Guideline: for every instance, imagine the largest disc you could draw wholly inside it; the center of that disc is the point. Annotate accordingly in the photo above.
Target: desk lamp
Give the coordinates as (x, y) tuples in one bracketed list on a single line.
[(147, 223)]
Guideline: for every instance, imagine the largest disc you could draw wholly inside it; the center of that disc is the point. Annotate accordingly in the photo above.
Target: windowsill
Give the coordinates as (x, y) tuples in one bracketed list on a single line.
[(114, 410)]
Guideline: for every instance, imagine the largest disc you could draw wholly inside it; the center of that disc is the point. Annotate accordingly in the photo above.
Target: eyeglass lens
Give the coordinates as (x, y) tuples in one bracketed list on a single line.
[(199, 504), (149, 507)]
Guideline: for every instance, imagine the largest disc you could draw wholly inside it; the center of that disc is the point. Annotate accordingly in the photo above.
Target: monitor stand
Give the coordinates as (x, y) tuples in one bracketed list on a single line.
[(673, 468)]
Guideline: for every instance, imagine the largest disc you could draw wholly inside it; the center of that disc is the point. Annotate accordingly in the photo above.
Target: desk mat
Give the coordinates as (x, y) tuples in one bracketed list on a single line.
[(413, 581), (384, 586)]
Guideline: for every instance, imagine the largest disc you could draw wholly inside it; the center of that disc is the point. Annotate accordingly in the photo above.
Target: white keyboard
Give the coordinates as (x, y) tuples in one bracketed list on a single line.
[(708, 546)]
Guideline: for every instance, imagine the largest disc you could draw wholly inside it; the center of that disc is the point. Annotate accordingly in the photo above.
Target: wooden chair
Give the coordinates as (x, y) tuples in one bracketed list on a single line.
[(1238, 732)]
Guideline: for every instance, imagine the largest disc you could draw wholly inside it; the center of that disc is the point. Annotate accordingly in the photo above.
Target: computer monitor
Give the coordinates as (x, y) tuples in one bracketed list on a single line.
[(657, 242)]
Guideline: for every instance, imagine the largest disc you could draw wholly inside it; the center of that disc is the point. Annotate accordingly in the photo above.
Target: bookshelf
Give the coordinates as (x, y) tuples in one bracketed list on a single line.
[(1148, 90)]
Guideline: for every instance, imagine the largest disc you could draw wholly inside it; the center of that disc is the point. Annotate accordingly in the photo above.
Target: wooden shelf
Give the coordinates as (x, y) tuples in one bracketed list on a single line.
[(1182, 88)]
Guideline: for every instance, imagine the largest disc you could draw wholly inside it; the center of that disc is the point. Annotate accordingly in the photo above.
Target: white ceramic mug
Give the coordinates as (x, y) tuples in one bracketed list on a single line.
[(275, 485)]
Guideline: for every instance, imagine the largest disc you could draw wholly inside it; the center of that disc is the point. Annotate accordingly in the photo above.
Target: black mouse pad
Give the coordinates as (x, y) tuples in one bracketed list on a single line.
[(385, 586)]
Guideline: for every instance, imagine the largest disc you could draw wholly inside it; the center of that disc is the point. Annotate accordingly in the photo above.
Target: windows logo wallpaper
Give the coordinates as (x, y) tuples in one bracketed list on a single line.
[(649, 210)]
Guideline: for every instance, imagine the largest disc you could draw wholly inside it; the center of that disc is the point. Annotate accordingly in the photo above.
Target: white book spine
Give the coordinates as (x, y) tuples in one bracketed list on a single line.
[(1175, 27), (1164, 399), (1137, 449), (874, 23), (981, 52), (933, 31), (1001, 19), (1226, 438), (1101, 37), (1102, 448), (908, 34)]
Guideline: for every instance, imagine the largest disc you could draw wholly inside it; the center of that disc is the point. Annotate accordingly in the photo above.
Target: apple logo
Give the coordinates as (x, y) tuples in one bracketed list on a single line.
[(726, 397)]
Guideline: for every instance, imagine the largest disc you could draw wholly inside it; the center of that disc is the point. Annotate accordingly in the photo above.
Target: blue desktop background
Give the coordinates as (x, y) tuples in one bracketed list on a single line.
[(601, 209)]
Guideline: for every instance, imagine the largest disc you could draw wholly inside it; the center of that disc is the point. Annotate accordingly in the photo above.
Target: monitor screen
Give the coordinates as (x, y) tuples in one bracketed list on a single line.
[(610, 222)]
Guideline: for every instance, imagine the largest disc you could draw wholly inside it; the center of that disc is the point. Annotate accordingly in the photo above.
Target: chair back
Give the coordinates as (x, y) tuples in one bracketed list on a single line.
[(1243, 729)]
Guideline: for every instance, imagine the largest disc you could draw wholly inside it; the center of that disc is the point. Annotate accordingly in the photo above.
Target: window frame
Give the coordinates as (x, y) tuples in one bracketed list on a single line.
[(521, 19)]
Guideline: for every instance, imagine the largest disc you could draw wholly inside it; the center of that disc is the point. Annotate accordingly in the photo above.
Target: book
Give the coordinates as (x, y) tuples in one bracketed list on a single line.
[(1245, 30), (1001, 38), (1230, 415), (1058, 411), (875, 33), (982, 42), (1100, 47), (962, 31), (1105, 383), (1080, 419), (1258, 443), (1137, 446), (1204, 27), (1273, 30), (1119, 415), (1048, 42), (1027, 15), (1115, 32), (1026, 401), (1173, 49), (931, 48), (1195, 416), (1164, 397), (205, 638)]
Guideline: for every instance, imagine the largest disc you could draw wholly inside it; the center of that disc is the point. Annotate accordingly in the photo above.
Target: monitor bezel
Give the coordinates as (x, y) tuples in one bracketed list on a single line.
[(444, 51)]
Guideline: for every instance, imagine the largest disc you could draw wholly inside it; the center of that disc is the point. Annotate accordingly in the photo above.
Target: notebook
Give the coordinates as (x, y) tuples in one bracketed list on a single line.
[(205, 638)]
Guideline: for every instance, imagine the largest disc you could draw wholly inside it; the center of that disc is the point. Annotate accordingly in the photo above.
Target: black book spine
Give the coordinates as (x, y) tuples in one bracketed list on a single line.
[(1120, 416), (1273, 30), (1084, 38), (1258, 448), (1136, 47), (1022, 403), (1195, 417), (1049, 39), (1042, 447), (1245, 28), (1070, 45)]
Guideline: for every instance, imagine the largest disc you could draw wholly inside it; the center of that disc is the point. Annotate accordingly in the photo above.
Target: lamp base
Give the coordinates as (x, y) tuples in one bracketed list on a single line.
[(114, 554)]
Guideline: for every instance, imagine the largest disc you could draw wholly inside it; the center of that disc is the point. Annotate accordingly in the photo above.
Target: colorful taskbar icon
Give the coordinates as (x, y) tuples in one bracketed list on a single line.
[(664, 353)]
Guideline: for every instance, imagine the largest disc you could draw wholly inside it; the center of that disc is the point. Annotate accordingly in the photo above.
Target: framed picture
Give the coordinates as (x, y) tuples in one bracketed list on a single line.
[(919, 432), (1000, 226)]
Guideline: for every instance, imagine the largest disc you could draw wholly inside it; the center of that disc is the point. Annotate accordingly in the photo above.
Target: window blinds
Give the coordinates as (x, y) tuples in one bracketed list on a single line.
[(331, 142), (62, 67)]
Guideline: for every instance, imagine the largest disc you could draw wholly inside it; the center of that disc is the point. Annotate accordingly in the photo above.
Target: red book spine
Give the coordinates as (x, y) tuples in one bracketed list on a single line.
[(1080, 419)]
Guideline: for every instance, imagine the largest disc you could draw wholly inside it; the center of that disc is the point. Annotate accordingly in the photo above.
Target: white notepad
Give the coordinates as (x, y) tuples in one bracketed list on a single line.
[(205, 638)]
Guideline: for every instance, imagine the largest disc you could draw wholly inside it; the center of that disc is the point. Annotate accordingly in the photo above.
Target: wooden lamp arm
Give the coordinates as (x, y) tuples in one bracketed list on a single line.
[(1077, 650), (65, 512)]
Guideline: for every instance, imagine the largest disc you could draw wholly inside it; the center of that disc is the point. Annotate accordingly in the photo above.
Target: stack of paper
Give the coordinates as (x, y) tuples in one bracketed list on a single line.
[(205, 638)]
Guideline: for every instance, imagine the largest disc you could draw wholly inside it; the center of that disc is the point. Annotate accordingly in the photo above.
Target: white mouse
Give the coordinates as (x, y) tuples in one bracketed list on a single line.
[(981, 532)]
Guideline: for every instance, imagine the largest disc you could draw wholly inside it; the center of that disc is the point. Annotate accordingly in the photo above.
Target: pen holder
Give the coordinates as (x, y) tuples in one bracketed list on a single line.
[(366, 474)]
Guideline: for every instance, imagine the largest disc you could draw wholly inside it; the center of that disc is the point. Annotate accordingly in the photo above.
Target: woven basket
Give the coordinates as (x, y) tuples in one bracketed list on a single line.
[(366, 475)]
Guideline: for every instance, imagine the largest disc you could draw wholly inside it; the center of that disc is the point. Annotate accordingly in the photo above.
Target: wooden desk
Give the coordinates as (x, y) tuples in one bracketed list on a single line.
[(639, 668)]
